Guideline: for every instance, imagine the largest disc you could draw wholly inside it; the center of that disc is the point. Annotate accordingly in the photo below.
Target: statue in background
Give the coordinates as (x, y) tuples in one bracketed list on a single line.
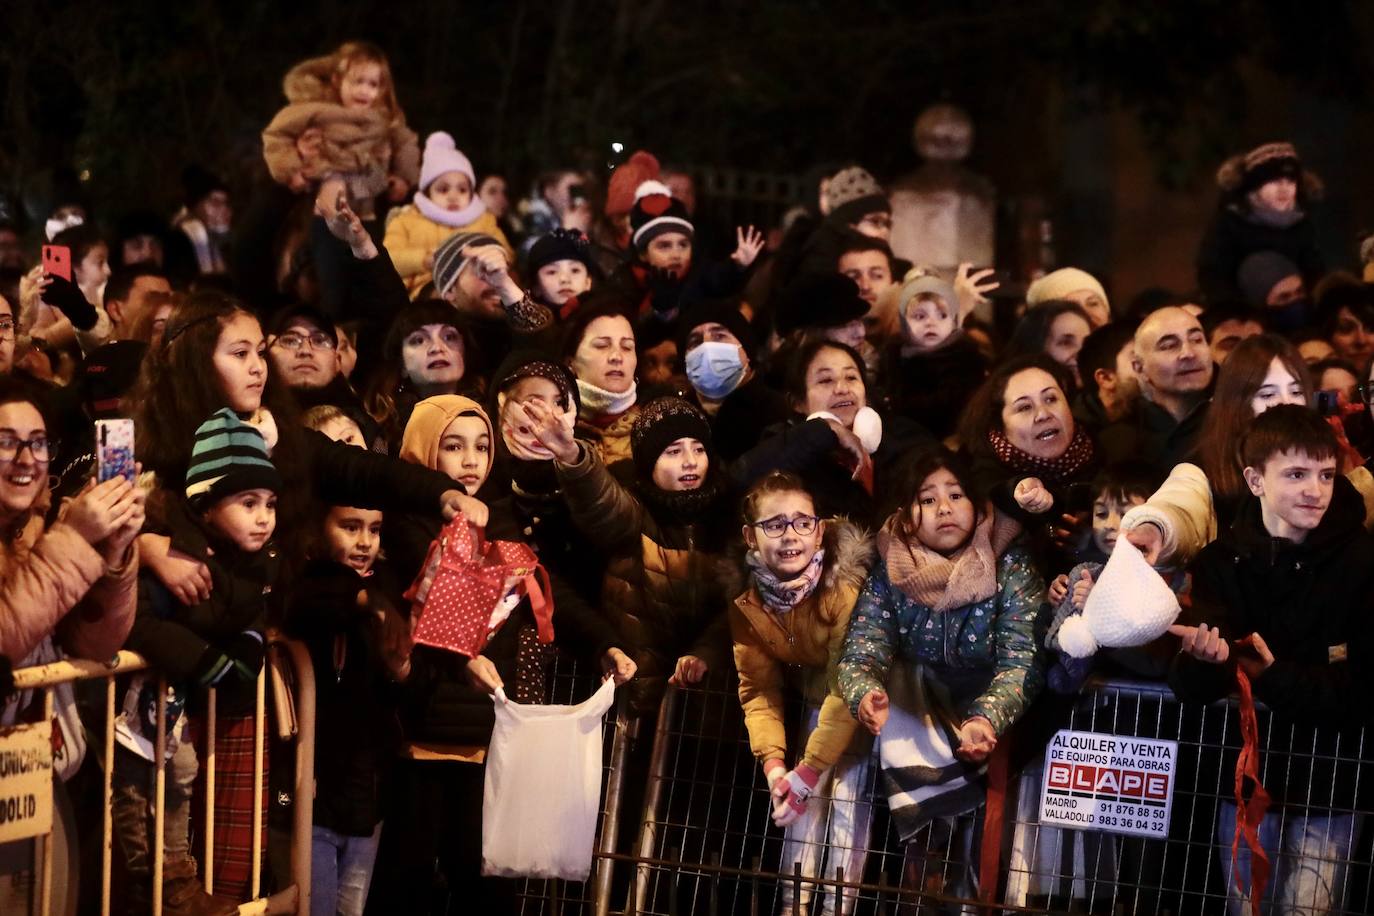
[(943, 214)]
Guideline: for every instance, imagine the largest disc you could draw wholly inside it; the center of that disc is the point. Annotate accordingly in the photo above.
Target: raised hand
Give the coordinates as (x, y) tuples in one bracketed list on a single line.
[(551, 432), (972, 287), (750, 243)]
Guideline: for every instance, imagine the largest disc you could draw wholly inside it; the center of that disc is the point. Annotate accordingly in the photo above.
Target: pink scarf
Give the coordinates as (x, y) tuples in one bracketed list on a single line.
[(940, 582)]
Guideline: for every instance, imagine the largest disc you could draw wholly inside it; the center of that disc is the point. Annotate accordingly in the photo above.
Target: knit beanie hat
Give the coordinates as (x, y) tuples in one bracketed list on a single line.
[(561, 245), (655, 212), (853, 193), (228, 457), (927, 284), (1263, 164), (449, 259), (1059, 284), (626, 179), (532, 364), (714, 311), (429, 419), (1260, 272), (1129, 605), (660, 423), (819, 300), (442, 155)]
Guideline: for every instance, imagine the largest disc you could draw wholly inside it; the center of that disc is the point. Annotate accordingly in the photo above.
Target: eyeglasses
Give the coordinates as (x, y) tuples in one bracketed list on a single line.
[(7, 325), (318, 340), (40, 447), (776, 527)]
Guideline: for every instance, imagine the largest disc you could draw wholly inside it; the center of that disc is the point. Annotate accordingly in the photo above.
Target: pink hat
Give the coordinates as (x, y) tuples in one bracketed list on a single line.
[(442, 155)]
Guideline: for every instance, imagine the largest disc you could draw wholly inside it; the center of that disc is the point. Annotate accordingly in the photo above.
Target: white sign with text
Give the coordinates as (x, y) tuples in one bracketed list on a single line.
[(1109, 782), (25, 781)]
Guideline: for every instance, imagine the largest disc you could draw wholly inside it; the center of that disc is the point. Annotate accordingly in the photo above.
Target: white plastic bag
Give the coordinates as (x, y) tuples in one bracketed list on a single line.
[(543, 788)]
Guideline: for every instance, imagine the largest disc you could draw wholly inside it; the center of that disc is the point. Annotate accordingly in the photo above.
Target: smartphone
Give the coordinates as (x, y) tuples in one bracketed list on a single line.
[(1327, 403), (57, 260), (114, 449)]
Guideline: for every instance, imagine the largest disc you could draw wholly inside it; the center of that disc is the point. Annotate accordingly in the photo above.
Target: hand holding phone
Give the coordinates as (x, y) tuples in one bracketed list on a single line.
[(114, 449), (57, 260)]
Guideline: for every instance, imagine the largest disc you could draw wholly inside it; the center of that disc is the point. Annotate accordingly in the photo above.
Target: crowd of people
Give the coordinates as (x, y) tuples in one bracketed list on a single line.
[(800, 462)]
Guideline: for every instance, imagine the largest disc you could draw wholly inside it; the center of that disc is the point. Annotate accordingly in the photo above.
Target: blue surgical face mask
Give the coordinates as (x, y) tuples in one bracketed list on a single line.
[(715, 368)]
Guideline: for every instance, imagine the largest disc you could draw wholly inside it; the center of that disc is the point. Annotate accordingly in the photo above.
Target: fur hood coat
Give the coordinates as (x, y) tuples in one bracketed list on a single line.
[(772, 648), (365, 145)]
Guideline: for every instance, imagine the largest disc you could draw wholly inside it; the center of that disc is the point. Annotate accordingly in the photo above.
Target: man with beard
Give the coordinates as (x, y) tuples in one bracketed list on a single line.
[(473, 274)]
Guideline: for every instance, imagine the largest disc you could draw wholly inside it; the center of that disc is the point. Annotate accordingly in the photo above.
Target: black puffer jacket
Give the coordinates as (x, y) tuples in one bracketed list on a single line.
[(174, 638), (1313, 603)]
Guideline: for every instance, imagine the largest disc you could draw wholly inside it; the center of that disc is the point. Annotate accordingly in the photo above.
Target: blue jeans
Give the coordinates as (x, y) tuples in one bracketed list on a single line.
[(340, 871), (1309, 855)]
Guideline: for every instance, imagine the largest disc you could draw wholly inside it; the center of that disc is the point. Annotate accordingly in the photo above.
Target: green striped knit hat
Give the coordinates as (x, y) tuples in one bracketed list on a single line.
[(228, 457)]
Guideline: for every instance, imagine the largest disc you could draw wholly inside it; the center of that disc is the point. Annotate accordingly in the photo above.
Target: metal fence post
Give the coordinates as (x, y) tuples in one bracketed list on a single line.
[(615, 787), (658, 761)]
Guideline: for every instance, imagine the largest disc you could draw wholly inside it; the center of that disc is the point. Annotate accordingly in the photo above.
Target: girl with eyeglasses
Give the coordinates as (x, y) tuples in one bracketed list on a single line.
[(788, 624)]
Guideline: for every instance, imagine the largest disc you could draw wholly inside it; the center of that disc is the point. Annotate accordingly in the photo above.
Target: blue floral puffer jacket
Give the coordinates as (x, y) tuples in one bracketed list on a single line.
[(985, 651)]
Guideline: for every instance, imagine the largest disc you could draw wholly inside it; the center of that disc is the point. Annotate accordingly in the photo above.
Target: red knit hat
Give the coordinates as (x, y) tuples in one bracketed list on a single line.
[(629, 175)]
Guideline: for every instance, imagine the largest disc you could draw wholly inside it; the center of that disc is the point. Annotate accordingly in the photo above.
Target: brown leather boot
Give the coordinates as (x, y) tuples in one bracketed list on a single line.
[(183, 894)]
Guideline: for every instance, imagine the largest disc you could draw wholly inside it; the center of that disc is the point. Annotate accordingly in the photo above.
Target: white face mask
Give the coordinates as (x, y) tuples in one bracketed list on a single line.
[(715, 368)]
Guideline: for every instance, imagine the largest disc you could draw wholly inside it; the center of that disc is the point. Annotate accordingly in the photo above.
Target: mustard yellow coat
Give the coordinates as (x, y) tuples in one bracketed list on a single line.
[(411, 236), (771, 649)]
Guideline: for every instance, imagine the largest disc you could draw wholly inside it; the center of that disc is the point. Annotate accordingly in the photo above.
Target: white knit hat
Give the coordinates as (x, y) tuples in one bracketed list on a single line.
[(442, 155), (1130, 605), (1058, 284)]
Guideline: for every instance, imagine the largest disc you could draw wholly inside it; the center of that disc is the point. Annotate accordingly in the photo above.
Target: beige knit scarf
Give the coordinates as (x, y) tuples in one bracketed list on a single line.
[(941, 582)]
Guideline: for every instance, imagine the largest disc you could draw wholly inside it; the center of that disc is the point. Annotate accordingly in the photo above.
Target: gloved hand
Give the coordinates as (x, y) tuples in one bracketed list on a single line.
[(245, 651), (791, 792), (241, 656), (65, 296), (773, 770)]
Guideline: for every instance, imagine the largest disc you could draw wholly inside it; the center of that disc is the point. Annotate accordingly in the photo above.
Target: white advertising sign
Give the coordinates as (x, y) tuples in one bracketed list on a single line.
[(1109, 782)]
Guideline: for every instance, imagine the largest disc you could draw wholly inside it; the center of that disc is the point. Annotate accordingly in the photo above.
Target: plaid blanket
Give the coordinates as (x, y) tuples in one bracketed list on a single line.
[(233, 802)]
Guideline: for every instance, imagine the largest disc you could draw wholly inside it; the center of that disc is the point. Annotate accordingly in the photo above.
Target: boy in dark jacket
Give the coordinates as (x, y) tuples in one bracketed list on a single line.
[(226, 521), (1287, 597)]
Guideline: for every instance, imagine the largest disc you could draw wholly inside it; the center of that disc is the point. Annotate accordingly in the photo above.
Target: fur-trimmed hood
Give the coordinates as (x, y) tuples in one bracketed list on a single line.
[(849, 556), (310, 81)]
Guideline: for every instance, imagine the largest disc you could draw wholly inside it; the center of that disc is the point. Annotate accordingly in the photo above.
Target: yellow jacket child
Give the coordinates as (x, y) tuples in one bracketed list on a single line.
[(444, 205)]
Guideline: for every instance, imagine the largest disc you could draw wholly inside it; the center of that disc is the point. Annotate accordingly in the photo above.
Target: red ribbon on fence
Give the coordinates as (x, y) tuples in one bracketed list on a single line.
[(1249, 813)]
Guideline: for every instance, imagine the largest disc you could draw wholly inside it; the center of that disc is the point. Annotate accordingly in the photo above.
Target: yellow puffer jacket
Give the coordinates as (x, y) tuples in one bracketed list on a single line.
[(802, 646), (411, 236)]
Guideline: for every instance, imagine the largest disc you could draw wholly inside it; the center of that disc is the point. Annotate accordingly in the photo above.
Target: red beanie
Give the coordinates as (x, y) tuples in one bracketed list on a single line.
[(629, 175)]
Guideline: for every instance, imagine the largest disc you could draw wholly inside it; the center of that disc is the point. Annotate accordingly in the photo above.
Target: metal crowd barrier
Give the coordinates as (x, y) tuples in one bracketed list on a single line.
[(291, 661), (705, 842)]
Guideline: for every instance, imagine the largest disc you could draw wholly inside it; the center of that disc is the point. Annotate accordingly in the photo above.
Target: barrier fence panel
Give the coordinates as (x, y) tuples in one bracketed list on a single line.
[(295, 704), (1314, 776), (706, 843), (570, 683)]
